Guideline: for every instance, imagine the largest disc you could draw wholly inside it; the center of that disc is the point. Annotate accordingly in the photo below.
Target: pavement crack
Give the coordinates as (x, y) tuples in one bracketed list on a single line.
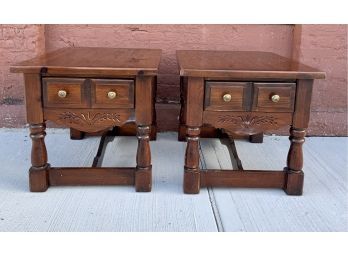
[(214, 207)]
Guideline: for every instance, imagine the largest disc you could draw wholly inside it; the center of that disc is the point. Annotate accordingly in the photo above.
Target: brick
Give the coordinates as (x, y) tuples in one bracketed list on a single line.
[(17, 43), (325, 47)]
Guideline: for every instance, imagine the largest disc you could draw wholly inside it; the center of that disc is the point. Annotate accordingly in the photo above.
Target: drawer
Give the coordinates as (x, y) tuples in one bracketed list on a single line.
[(112, 93), (227, 96), (64, 92), (274, 97)]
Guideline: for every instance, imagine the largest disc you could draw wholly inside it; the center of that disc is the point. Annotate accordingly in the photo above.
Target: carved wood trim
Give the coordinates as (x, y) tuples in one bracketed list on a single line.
[(89, 120), (246, 123)]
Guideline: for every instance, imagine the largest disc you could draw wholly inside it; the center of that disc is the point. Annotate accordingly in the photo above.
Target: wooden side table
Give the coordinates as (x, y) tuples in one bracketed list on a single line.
[(90, 90), (244, 93)]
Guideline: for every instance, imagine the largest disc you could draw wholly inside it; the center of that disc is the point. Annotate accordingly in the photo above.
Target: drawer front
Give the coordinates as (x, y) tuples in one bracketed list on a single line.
[(227, 96), (64, 92), (274, 97), (112, 93)]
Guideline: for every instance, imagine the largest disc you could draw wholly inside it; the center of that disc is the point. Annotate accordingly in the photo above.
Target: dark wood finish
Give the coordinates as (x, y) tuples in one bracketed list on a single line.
[(193, 118), (127, 129), (236, 162), (251, 78), (33, 99), (303, 103), (145, 93), (89, 120), (295, 176), (143, 177), (243, 178), (256, 138), (182, 133), (75, 88), (210, 132), (242, 65), (191, 171), (294, 183), (263, 93), (93, 61), (38, 179), (76, 134), (247, 123), (182, 115), (98, 158), (85, 77), (194, 102), (130, 129), (123, 88), (295, 156), (240, 92), (207, 131), (91, 176)]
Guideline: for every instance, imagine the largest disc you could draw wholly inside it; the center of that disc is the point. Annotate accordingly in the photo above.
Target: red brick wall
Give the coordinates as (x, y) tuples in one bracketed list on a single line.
[(17, 43), (324, 47)]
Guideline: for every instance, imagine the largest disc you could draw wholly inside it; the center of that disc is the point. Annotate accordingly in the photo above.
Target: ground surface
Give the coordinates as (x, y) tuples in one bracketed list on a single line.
[(323, 207)]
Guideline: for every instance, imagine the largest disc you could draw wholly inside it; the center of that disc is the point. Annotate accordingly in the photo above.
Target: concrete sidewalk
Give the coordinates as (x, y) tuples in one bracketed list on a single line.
[(323, 207)]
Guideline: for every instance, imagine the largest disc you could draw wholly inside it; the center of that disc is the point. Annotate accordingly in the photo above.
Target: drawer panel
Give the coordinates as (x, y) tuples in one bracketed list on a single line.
[(112, 93), (274, 97), (64, 92), (227, 96)]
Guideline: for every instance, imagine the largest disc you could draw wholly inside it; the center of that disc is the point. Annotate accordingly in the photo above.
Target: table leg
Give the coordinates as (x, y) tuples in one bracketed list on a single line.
[(76, 134), (38, 173), (295, 175), (182, 133), (143, 174), (257, 138), (153, 133), (192, 172)]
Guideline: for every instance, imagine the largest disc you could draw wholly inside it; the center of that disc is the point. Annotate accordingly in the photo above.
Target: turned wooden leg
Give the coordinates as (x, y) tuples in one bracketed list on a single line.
[(76, 134), (143, 175), (294, 182), (38, 173), (191, 172)]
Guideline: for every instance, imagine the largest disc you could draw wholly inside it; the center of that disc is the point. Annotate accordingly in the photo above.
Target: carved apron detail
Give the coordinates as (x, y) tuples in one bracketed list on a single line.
[(247, 123), (88, 118)]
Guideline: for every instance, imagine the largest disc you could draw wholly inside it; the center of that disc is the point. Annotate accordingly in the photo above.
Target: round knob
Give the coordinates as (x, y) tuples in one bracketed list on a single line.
[(227, 97), (112, 95), (62, 93), (275, 98)]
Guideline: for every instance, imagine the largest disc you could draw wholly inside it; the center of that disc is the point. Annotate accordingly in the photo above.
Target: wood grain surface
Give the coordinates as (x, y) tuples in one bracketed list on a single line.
[(89, 60), (242, 64)]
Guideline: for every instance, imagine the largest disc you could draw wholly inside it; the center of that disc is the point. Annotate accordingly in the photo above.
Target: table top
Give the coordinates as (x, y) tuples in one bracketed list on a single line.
[(127, 61), (242, 65)]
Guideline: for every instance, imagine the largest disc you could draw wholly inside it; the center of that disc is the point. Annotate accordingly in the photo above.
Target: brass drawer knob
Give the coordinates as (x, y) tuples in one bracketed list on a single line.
[(227, 97), (275, 98), (62, 93), (112, 95)]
